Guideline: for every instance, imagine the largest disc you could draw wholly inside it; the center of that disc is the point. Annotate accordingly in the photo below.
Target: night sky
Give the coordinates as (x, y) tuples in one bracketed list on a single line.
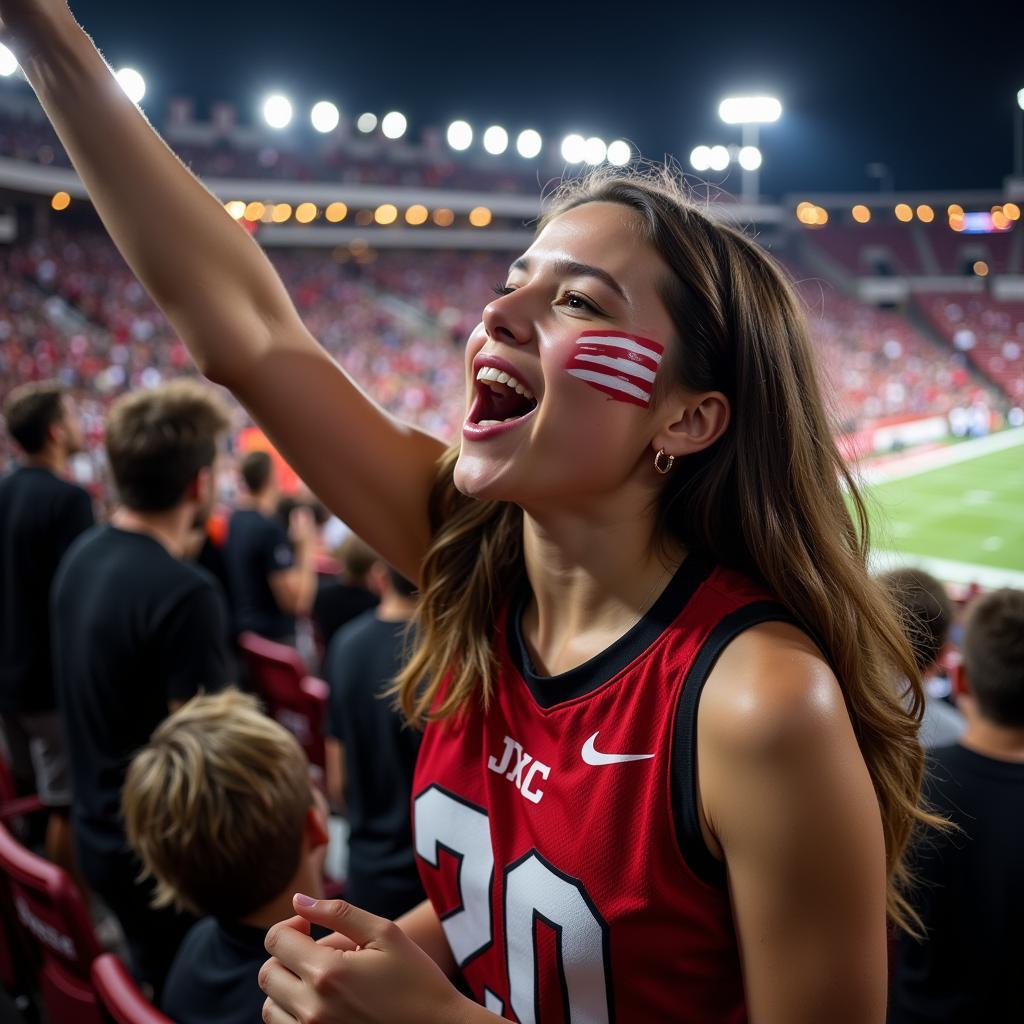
[(928, 90)]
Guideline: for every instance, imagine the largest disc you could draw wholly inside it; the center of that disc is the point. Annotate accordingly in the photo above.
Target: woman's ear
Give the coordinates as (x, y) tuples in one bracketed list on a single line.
[(695, 422)]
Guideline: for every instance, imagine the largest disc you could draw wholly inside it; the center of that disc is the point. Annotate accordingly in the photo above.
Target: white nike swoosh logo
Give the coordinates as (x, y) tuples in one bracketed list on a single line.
[(594, 756)]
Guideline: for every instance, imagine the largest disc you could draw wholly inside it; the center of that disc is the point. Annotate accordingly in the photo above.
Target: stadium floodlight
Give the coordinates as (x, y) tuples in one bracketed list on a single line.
[(495, 140), (460, 135), (574, 149), (1020, 99), (700, 158), (8, 62), (749, 158), (529, 143), (325, 116), (277, 111), (718, 158), (393, 125), (366, 123), (750, 110), (133, 83), (619, 153), (596, 151)]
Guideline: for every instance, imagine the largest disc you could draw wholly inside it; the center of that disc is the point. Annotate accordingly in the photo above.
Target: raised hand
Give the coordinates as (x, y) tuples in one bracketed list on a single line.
[(388, 979)]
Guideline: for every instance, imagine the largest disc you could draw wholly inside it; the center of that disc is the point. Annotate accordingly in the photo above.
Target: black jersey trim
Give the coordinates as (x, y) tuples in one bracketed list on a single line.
[(684, 741), (551, 690)]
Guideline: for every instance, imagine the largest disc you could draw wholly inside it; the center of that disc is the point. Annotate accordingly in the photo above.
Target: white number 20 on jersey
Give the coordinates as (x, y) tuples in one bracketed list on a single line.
[(533, 890)]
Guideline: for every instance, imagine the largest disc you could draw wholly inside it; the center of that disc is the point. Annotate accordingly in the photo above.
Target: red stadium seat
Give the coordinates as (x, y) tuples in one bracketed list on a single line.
[(54, 928), (295, 699), (120, 996)]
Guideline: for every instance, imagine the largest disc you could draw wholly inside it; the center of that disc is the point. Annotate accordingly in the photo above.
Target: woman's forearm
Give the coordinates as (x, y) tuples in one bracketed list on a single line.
[(209, 277)]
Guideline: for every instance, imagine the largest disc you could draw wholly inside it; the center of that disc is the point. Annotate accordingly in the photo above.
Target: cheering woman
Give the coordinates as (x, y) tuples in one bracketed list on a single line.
[(667, 774)]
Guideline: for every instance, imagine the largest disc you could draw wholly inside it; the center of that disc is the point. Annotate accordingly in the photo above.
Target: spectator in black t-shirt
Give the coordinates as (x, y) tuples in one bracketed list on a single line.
[(341, 599), (220, 809), (137, 632), (970, 893), (370, 753), (927, 615), (272, 571), (41, 514)]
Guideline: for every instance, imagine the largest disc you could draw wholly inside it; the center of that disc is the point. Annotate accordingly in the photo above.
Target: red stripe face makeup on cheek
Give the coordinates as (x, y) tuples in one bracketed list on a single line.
[(622, 366)]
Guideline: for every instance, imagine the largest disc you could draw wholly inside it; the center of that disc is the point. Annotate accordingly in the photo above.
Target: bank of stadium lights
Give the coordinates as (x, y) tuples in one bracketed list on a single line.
[(8, 62), (529, 143), (619, 153), (460, 135), (811, 215), (495, 140), (133, 84), (366, 123), (750, 110), (749, 158), (325, 117), (277, 111), (393, 125), (709, 158)]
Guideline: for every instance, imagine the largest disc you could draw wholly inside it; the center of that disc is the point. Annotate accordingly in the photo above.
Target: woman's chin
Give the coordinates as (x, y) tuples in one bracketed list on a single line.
[(478, 477)]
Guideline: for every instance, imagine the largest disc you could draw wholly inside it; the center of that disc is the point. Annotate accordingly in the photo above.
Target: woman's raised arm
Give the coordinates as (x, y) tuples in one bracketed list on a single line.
[(222, 295)]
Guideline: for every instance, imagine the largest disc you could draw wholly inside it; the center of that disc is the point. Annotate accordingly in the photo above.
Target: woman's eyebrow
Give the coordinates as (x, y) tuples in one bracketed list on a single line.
[(571, 268)]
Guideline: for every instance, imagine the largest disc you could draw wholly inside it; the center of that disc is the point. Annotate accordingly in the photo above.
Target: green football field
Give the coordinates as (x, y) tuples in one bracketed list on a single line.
[(971, 512)]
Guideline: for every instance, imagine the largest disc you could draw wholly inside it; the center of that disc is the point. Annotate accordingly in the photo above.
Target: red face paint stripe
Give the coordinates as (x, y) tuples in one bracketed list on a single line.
[(617, 353), (646, 342), (636, 382), (619, 396)]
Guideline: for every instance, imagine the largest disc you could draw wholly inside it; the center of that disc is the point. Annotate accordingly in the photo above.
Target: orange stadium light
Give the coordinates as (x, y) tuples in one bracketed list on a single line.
[(1011, 211), (956, 221), (443, 217), (416, 214), (861, 214), (480, 217), (955, 210), (980, 268), (61, 201), (904, 213), (336, 212), (386, 213), (1000, 221), (305, 213), (925, 213), (282, 213), (821, 216), (254, 211)]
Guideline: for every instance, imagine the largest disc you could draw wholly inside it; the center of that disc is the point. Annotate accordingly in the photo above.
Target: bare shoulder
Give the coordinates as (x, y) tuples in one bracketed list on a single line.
[(772, 689)]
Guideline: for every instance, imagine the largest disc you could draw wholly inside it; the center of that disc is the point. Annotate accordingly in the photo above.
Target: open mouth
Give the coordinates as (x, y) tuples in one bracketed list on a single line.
[(500, 398)]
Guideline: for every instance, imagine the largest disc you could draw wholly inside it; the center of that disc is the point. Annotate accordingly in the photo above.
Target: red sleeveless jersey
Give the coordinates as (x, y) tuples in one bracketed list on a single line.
[(557, 835)]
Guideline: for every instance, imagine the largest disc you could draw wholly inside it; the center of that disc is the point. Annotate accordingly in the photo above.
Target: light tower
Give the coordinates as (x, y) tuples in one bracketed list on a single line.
[(750, 112)]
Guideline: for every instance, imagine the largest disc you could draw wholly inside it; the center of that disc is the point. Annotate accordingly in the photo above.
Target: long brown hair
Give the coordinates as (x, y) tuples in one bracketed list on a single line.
[(767, 499)]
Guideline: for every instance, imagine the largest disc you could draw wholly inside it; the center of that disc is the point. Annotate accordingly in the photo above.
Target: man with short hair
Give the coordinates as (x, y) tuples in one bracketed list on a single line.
[(272, 571), (41, 514), (970, 881), (371, 755), (927, 615), (137, 632), (220, 809)]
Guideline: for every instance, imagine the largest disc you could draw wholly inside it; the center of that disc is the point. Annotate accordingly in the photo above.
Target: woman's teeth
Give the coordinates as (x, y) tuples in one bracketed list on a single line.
[(492, 375)]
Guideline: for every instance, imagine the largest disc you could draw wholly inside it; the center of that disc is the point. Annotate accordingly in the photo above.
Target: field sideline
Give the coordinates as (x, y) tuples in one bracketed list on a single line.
[(957, 512)]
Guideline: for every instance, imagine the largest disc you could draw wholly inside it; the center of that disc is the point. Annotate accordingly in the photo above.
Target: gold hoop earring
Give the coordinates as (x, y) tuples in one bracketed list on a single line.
[(666, 467)]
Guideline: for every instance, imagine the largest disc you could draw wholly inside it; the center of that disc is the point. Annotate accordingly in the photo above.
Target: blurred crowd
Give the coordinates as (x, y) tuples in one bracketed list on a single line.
[(397, 321)]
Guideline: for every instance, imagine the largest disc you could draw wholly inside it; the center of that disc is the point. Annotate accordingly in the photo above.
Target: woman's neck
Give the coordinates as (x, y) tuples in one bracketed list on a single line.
[(592, 579)]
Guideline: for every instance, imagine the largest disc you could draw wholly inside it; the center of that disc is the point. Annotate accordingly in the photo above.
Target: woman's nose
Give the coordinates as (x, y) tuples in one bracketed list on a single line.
[(506, 319)]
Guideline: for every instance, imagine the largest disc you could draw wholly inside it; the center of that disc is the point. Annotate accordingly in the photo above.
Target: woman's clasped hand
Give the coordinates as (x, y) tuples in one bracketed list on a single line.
[(368, 971)]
